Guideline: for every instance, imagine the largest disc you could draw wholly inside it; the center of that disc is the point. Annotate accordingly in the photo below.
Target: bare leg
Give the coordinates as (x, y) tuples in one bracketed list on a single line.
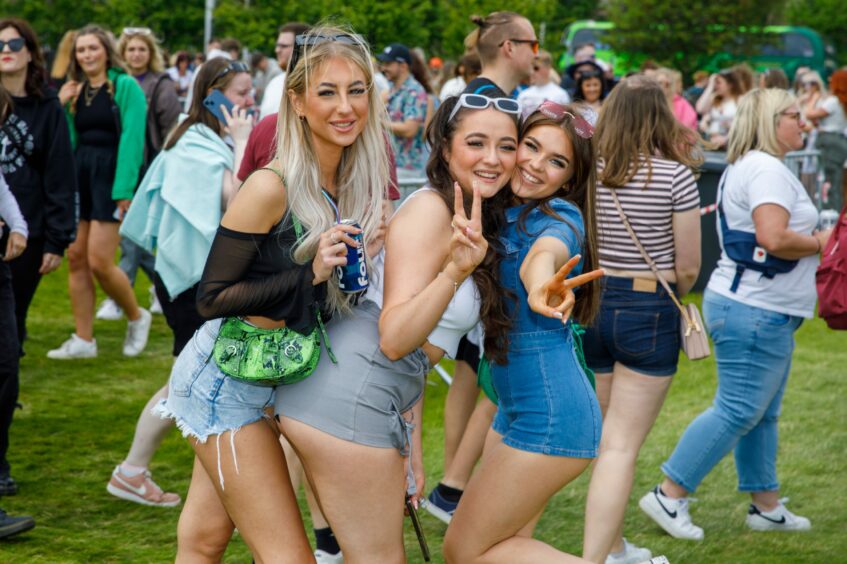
[(363, 502), (634, 403), (491, 528), (295, 470), (204, 528), (149, 432), (457, 474), (103, 241), (460, 403), (766, 501), (257, 493), (81, 283)]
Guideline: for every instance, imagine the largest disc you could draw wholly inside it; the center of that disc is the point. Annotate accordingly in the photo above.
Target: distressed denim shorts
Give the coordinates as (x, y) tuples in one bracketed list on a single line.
[(203, 400)]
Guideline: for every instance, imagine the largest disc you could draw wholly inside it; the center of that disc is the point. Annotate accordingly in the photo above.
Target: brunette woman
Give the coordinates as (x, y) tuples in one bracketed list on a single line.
[(547, 426), (364, 414), (106, 113), (645, 160), (717, 105)]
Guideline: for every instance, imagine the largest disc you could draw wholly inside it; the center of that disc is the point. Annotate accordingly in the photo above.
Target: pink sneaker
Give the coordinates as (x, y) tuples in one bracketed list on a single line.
[(140, 489)]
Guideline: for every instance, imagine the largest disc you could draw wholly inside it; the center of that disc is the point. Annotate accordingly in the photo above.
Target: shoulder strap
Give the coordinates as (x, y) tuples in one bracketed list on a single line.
[(649, 260), (298, 227)]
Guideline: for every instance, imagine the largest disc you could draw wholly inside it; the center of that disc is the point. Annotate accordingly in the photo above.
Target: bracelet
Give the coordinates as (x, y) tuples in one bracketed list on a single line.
[(818, 241), (450, 278)]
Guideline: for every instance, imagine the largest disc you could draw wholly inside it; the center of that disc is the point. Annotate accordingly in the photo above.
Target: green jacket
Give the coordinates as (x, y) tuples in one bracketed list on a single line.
[(132, 105)]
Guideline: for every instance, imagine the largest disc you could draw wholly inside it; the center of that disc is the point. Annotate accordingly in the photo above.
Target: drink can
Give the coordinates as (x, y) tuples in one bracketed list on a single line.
[(828, 219), (353, 277)]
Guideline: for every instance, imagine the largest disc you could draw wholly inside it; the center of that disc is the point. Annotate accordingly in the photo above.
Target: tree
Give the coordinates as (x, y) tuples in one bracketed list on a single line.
[(685, 35), (827, 17)]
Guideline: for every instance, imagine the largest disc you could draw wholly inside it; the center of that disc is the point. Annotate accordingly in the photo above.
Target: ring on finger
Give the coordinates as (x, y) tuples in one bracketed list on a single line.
[(333, 238)]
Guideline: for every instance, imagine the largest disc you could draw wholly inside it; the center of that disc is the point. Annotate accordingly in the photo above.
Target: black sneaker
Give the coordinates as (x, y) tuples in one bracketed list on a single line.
[(8, 485), (10, 525)]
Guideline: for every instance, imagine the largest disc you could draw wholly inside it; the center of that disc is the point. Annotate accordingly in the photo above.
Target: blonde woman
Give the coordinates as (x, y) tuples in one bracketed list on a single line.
[(331, 153), (751, 317)]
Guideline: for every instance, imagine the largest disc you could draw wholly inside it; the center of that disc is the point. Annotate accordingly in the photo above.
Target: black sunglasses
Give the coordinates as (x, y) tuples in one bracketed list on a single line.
[(307, 40), (533, 43), (15, 44), (235, 66)]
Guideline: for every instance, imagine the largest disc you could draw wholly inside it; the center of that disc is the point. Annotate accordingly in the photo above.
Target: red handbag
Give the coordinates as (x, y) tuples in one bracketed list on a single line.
[(831, 277)]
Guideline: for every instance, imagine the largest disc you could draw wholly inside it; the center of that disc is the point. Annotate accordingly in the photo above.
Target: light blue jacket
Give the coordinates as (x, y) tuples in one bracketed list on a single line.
[(177, 208)]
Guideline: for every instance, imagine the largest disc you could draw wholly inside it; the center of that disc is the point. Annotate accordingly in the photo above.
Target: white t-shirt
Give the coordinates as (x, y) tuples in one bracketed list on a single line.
[(452, 87), (272, 96), (720, 117), (759, 178), (532, 97), (836, 121)]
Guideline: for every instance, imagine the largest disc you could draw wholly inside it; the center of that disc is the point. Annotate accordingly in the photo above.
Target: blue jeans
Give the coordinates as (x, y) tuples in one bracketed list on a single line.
[(133, 256), (753, 348)]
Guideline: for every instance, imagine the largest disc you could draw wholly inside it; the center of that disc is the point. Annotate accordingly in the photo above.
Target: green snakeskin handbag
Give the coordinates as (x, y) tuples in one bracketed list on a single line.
[(268, 357)]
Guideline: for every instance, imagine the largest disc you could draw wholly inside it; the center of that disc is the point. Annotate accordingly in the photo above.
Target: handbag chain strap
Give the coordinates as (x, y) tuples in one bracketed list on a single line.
[(688, 321)]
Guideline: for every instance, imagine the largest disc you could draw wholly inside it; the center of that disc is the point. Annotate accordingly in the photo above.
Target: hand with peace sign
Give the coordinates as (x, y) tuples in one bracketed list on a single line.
[(555, 297), (467, 246)]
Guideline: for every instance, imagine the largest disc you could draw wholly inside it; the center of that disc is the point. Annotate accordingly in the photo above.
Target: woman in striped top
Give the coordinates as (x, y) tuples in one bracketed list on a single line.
[(645, 158)]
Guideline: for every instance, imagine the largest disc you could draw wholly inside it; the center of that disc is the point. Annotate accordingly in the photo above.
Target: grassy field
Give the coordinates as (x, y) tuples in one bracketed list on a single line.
[(78, 420)]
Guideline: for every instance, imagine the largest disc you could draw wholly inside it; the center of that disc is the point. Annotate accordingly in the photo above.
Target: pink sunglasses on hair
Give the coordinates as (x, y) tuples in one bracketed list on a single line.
[(559, 112)]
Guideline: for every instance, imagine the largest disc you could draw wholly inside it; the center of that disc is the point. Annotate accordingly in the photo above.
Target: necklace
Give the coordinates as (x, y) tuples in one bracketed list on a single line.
[(89, 93)]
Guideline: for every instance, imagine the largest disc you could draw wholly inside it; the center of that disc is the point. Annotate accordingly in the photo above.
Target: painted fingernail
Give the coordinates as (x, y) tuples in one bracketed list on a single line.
[(558, 314)]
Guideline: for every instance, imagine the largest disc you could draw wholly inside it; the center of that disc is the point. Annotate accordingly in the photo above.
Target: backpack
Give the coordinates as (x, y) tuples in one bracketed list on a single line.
[(831, 277)]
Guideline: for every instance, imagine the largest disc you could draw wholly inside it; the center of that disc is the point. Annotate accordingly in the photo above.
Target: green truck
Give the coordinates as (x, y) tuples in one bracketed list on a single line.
[(790, 47)]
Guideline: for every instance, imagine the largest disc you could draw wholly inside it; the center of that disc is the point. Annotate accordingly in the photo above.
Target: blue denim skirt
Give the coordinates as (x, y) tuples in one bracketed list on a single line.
[(203, 400), (547, 404)]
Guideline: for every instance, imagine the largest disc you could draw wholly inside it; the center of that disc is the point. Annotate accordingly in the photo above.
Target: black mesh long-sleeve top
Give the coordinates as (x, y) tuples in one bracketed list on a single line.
[(255, 274)]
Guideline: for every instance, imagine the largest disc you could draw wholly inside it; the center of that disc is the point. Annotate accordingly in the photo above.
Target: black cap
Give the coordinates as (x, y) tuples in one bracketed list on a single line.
[(395, 52), (583, 66)]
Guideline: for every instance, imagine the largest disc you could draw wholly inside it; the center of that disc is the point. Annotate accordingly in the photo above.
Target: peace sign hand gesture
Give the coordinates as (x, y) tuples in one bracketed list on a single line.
[(555, 297), (467, 246)]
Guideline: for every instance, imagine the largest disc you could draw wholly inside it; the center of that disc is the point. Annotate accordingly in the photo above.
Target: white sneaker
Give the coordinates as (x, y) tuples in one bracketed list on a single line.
[(323, 557), (155, 306), (670, 514), (630, 554), (137, 332), (779, 519), (75, 347), (109, 311)]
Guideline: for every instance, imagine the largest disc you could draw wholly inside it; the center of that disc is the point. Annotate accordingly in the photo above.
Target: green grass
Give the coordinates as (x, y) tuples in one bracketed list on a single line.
[(78, 420)]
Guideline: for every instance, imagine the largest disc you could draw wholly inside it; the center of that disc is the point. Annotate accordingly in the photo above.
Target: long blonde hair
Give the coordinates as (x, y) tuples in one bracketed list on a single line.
[(754, 125), (156, 63), (362, 173)]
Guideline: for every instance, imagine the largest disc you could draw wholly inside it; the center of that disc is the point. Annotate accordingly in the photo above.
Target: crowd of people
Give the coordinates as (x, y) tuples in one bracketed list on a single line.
[(556, 229)]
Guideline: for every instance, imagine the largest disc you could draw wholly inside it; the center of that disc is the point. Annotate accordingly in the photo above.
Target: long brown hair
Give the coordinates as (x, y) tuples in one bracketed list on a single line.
[(113, 59), (637, 122), (495, 320), (36, 71), (580, 191), (207, 79)]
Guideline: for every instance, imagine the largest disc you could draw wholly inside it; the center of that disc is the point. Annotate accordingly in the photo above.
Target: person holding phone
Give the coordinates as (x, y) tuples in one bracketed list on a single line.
[(193, 180), (106, 113), (547, 427)]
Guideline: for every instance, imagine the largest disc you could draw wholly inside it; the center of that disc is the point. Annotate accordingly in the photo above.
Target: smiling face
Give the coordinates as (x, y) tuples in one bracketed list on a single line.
[(90, 55), (592, 88), (789, 129), (137, 56), (482, 150), (11, 61), (544, 163), (335, 105), (240, 90)]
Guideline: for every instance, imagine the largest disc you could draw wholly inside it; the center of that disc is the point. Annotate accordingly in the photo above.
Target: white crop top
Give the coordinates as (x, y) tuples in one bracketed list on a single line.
[(461, 315)]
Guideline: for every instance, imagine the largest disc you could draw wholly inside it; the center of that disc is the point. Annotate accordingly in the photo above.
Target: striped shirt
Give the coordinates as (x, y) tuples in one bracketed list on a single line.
[(649, 208)]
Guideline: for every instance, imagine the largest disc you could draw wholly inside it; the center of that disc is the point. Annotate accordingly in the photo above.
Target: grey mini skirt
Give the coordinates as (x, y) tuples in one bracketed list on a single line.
[(362, 398)]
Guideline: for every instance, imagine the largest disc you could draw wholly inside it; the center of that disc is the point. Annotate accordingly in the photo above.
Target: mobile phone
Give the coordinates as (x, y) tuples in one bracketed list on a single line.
[(416, 523), (215, 100)]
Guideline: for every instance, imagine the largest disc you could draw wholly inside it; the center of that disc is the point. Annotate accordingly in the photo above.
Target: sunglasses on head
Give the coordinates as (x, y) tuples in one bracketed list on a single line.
[(480, 102), (136, 31), (307, 40), (235, 66), (559, 112), (15, 44), (533, 43)]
